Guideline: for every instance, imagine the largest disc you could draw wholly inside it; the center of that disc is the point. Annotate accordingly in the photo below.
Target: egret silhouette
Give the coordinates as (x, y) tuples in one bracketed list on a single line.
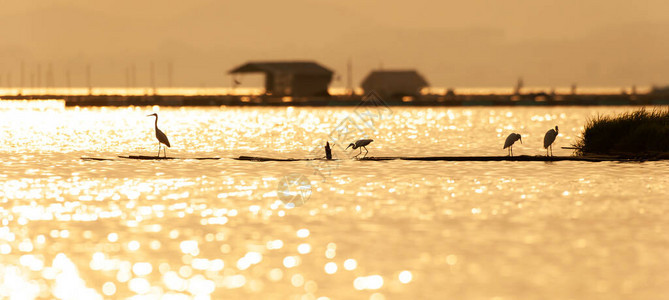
[(549, 138), (512, 138), (162, 138), (360, 144)]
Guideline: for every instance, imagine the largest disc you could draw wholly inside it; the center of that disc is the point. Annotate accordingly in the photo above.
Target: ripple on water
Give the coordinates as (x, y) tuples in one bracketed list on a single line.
[(371, 230)]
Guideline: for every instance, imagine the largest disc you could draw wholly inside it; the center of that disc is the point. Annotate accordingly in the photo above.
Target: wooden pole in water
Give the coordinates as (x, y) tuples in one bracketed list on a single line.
[(50, 80), (133, 75), (88, 79), (127, 80), (22, 83), (39, 76), (349, 75), (169, 74), (153, 78), (68, 82), (328, 151)]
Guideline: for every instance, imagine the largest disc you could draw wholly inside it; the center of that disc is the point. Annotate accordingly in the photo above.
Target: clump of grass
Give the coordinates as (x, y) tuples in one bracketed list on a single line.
[(636, 133)]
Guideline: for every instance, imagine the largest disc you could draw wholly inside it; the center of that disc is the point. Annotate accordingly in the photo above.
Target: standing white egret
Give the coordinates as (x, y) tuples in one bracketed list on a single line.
[(549, 138), (162, 138), (512, 138), (360, 144)]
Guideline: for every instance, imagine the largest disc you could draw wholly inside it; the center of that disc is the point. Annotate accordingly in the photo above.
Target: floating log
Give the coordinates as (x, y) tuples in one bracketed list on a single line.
[(505, 158), (255, 158), (469, 158), (144, 157), (96, 158)]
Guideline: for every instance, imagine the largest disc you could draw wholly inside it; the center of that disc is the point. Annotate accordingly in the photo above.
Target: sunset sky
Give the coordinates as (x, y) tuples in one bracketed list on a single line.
[(452, 43)]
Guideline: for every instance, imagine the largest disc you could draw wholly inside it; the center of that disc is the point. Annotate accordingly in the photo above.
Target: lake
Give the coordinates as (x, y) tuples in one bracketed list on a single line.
[(345, 229)]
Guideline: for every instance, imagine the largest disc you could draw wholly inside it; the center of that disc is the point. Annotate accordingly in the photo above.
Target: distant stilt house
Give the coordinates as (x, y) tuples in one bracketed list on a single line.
[(394, 83), (292, 78)]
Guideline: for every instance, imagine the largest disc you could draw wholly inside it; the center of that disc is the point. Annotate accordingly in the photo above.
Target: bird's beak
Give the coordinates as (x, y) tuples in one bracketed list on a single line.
[(349, 146), (149, 115), (521, 140)]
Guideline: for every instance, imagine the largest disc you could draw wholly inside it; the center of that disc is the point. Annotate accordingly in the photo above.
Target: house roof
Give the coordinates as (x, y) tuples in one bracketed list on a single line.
[(392, 77), (297, 67)]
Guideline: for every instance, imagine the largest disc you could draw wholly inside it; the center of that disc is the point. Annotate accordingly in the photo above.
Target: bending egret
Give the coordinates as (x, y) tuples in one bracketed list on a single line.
[(512, 138), (162, 138), (549, 138), (360, 144)]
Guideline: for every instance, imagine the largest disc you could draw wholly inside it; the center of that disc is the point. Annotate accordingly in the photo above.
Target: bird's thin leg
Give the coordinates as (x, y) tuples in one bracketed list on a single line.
[(511, 150), (158, 149), (360, 151), (366, 151), (551, 149)]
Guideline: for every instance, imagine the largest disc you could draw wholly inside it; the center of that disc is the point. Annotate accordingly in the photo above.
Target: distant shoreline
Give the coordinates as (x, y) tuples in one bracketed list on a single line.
[(538, 99)]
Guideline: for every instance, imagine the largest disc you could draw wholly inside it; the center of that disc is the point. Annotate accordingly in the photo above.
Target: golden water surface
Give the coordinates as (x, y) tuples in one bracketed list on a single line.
[(217, 229)]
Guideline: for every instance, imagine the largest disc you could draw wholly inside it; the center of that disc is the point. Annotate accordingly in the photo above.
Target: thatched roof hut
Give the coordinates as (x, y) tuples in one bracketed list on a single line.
[(394, 83), (291, 78)]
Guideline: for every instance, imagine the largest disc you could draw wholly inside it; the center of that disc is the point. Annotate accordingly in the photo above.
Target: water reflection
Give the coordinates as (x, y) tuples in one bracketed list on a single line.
[(373, 230)]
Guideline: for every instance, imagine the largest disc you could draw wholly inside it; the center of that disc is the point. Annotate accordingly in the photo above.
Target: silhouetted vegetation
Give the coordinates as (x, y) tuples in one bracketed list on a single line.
[(638, 133)]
